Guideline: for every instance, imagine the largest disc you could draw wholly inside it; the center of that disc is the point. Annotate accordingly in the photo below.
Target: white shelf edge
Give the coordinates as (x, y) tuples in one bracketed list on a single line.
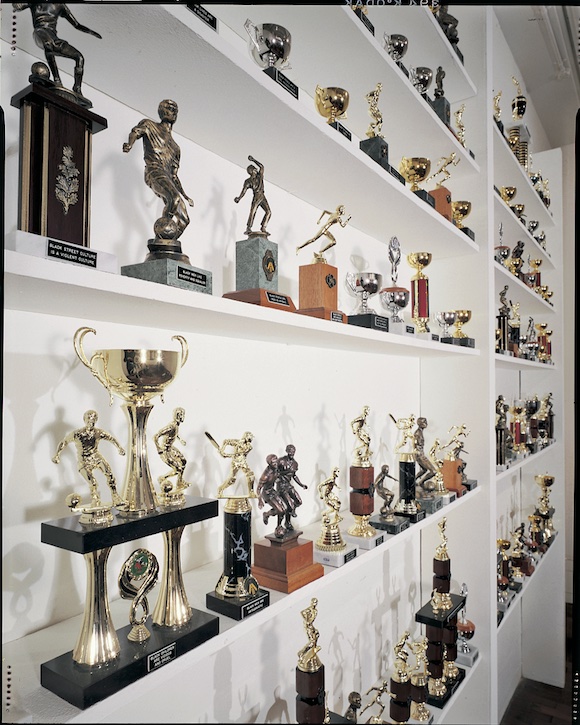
[(525, 462), (538, 301), (508, 361)]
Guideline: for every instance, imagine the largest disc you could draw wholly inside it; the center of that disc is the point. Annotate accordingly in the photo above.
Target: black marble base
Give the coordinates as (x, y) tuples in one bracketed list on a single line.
[(342, 129), (425, 615), (461, 341), (442, 108), (336, 718), (425, 196), (399, 177), (413, 518), (83, 687), (237, 609), (370, 320), (402, 67), (282, 80), (470, 484), (499, 617), (468, 232), (499, 124), (431, 504), (378, 150), (516, 587), (451, 688), (365, 21), (398, 524), (458, 52)]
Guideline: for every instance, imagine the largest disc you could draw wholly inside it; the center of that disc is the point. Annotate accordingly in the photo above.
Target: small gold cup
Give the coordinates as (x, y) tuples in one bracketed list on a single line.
[(462, 317), (331, 102), (507, 193), (414, 170), (460, 210)]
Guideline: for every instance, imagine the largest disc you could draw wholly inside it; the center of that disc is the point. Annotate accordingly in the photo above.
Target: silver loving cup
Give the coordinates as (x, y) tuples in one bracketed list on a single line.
[(269, 44), (395, 299), (396, 45), (364, 285), (446, 320), (421, 78)]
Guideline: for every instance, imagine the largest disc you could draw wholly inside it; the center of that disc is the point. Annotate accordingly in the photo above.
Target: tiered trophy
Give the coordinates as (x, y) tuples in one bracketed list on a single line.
[(283, 561), (237, 594), (420, 293), (440, 104), (400, 684), (332, 103), (165, 263), (502, 318), (518, 135), (415, 170), (257, 256), (330, 548), (440, 617), (396, 46), (396, 298), (365, 285), (506, 586), (420, 682), (441, 193), (545, 342), (57, 127), (545, 510), (318, 292), (407, 504), (361, 480), (466, 653), (375, 145), (269, 45)]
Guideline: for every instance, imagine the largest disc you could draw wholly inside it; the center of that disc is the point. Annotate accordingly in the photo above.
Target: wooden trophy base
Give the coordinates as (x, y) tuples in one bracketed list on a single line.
[(317, 290), (442, 197), (452, 478), (285, 565), (323, 313), (263, 298)]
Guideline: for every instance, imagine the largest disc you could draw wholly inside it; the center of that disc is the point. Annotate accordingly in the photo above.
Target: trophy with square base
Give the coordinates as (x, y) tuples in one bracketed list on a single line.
[(396, 298), (533, 278), (361, 11), (407, 504), (415, 170), (420, 293), (165, 263), (518, 428), (544, 341), (503, 437), (56, 130), (453, 468), (330, 548), (386, 519), (364, 285), (361, 479), (138, 576), (283, 561), (87, 440), (237, 594), (396, 46), (420, 682), (332, 103), (466, 653), (136, 376), (545, 510), (429, 479), (318, 293), (257, 256), (310, 692), (440, 104), (462, 317), (269, 45), (441, 193), (449, 25), (446, 320), (400, 684), (375, 145), (460, 210)]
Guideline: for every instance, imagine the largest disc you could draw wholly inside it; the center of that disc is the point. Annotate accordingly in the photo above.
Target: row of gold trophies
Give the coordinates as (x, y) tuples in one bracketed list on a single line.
[(535, 344), (512, 260), (518, 138), (410, 689), (530, 428), (519, 555)]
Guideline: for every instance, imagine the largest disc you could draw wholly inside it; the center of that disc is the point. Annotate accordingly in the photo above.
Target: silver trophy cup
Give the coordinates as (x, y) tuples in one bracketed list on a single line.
[(269, 44), (421, 78), (395, 299), (396, 45), (363, 285)]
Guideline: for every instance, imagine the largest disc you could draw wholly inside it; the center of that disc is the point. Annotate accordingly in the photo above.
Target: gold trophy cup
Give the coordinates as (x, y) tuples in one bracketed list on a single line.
[(331, 103), (136, 376), (414, 170), (460, 210)]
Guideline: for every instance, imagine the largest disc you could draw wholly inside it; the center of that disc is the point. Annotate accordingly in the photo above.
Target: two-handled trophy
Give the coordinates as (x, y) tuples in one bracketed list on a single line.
[(269, 45), (396, 46), (415, 170), (364, 285), (332, 103)]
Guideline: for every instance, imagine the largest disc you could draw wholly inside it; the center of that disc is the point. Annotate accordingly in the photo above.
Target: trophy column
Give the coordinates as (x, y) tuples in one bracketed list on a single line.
[(172, 608)]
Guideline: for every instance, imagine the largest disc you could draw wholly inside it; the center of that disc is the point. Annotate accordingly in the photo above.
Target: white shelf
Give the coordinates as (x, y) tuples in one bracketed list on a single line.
[(528, 461), (532, 302), (510, 362), (514, 230)]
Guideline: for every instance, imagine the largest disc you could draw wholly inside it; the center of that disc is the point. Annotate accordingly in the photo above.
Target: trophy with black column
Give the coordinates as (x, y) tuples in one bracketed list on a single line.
[(407, 504)]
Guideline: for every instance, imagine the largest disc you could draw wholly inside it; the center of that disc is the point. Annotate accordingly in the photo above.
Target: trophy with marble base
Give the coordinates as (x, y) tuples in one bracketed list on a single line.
[(407, 505), (318, 292), (460, 210), (387, 520), (440, 104), (257, 256), (332, 103), (431, 492), (544, 510), (395, 298), (396, 46), (282, 560), (375, 145), (415, 170), (237, 593), (361, 479), (269, 45), (330, 548), (310, 682), (420, 295), (462, 317), (364, 285), (166, 262)]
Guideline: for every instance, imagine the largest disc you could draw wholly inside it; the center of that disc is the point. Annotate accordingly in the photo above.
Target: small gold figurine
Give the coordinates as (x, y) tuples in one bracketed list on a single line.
[(308, 660), (374, 129), (405, 425), (87, 441), (496, 108), (441, 553), (333, 218), (445, 161), (381, 690), (165, 443), (240, 447), (362, 453), (459, 124)]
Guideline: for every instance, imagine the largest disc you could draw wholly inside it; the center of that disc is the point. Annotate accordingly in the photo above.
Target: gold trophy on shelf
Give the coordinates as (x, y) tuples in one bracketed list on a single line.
[(137, 577), (441, 193), (332, 103), (415, 170), (420, 290), (362, 474), (330, 548)]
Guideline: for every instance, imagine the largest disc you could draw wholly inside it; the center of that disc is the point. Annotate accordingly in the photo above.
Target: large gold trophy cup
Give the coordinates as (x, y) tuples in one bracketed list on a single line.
[(136, 376)]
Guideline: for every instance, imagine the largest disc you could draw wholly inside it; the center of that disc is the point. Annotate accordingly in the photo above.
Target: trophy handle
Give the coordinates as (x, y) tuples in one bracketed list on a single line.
[(184, 348), (350, 282), (252, 31), (78, 346)]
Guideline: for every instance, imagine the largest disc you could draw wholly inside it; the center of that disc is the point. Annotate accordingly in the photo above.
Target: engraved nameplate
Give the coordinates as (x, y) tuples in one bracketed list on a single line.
[(71, 253)]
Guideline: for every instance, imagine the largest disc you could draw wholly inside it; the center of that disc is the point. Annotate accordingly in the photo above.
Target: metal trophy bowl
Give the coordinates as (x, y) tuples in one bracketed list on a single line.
[(462, 318), (421, 77), (331, 102), (136, 376), (460, 210), (396, 45), (502, 253), (533, 225), (518, 210), (507, 193), (269, 44), (414, 170), (446, 320), (395, 299), (363, 284)]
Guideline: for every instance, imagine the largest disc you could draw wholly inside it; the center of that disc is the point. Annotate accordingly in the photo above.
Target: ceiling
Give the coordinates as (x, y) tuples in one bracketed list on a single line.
[(545, 44)]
